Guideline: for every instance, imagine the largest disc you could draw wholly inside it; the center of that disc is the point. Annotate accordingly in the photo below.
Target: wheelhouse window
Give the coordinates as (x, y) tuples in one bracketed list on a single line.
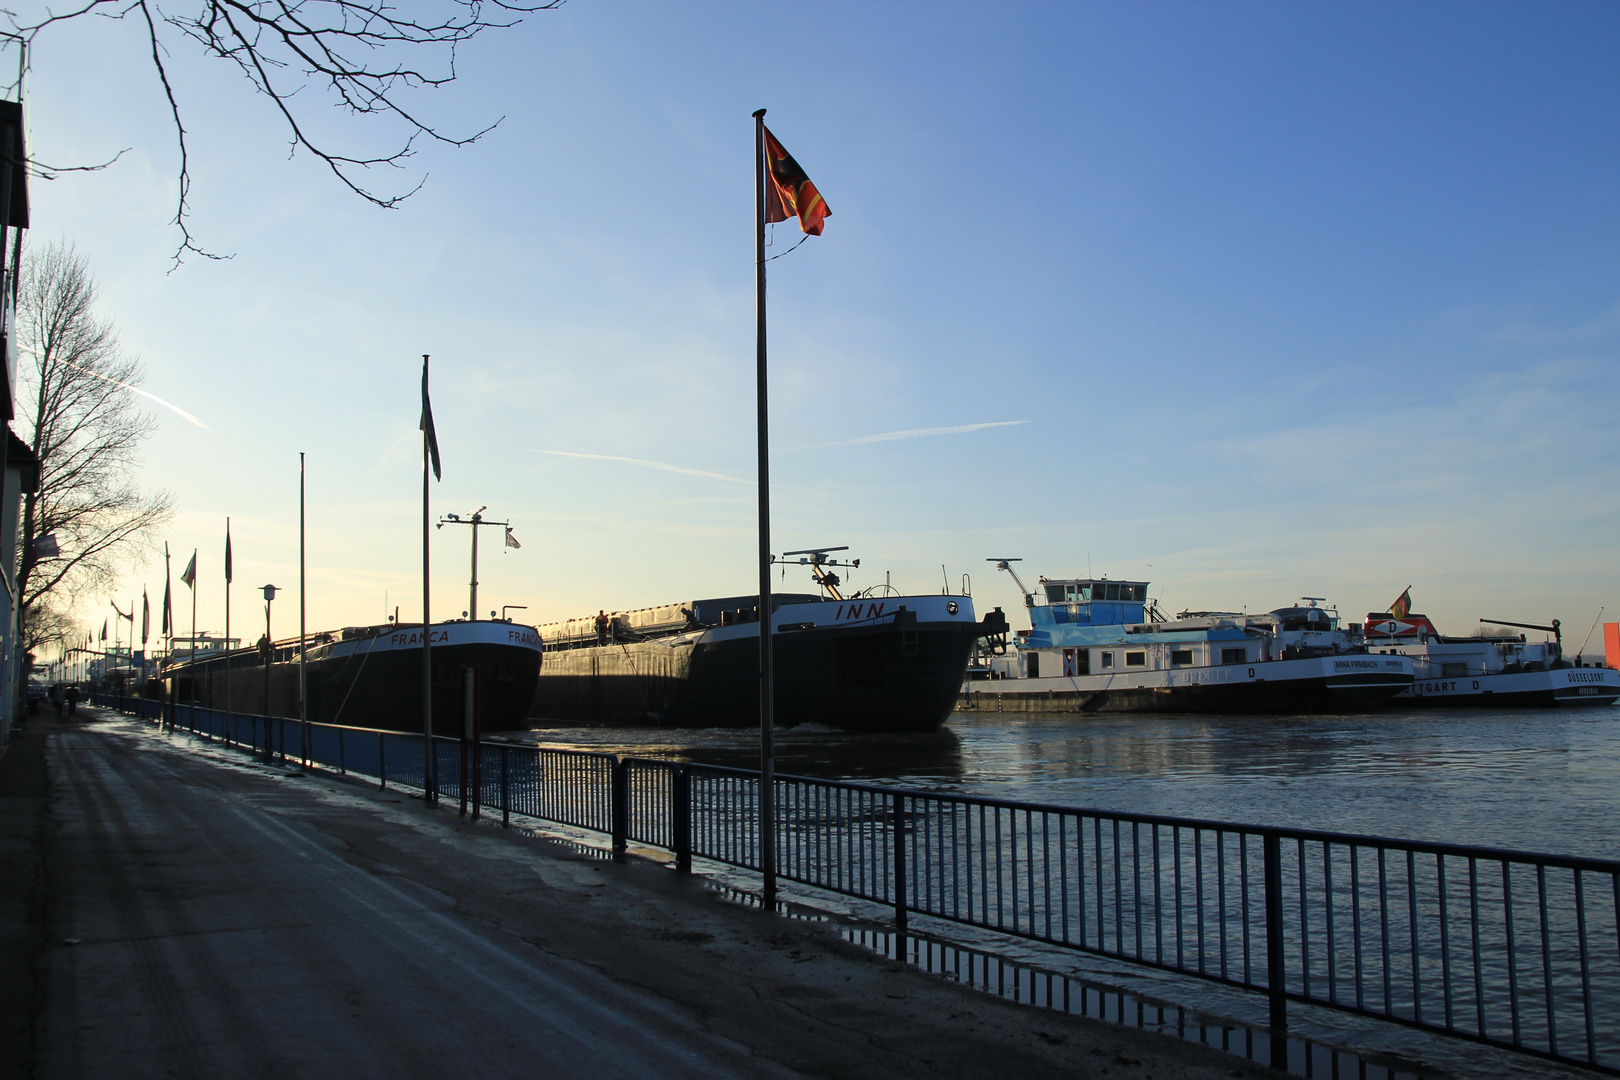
[(1107, 659), (1136, 659), (1234, 656), (1181, 656)]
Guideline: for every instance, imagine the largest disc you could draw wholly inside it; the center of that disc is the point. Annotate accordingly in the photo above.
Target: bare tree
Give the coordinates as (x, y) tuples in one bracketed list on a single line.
[(76, 396), (346, 48)]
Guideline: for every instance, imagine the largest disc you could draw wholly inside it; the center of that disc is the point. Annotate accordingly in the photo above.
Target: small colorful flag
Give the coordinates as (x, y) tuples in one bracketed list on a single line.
[(790, 192), (511, 541), (103, 629), (427, 424), (189, 574), (227, 551), (146, 616), (1402, 604)]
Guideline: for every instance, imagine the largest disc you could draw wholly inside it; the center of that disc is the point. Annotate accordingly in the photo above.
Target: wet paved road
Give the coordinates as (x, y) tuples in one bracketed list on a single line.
[(234, 920)]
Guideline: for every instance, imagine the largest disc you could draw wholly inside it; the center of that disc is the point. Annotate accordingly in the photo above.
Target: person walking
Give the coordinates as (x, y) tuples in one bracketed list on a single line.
[(73, 700)]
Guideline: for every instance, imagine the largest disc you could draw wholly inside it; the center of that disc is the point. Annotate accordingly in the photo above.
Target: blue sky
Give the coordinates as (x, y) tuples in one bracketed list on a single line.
[(1285, 299)]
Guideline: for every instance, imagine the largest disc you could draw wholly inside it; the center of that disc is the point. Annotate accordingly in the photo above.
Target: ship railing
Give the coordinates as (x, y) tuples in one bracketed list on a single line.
[(1509, 948)]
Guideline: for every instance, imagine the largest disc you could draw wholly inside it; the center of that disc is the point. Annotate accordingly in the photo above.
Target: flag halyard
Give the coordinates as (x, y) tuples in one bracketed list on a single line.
[(789, 192)]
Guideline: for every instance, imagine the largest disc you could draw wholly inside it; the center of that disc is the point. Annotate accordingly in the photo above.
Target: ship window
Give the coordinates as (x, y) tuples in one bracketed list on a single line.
[(1141, 592), (1453, 671), (1181, 656), (1135, 659), (1234, 656), (1054, 594), (1107, 659)]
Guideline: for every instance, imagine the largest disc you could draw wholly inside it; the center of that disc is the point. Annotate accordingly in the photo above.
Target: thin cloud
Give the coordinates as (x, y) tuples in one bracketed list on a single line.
[(916, 433), (659, 465), (171, 406)]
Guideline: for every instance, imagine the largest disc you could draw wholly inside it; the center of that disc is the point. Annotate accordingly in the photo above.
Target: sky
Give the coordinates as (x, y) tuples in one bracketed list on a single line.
[(1252, 301)]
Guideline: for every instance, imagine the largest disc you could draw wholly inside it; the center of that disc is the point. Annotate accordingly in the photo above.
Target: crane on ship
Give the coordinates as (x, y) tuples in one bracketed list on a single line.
[(1006, 564)]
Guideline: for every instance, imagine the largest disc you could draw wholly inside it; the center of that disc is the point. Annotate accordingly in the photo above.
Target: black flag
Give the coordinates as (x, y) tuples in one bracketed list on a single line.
[(427, 423)]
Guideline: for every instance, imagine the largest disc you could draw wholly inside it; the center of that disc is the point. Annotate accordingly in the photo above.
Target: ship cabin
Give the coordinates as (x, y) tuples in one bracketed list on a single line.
[(1093, 626)]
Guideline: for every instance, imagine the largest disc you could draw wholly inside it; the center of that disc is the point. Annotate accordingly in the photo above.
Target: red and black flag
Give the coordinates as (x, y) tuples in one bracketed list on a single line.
[(1402, 604), (790, 193)]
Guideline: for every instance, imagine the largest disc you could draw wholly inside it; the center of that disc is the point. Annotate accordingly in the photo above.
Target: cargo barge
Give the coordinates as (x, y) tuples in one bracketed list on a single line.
[(369, 676), (863, 662)]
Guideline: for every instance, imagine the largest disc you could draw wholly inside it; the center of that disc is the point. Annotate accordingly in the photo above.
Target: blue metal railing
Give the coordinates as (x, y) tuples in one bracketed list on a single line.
[(1510, 948)]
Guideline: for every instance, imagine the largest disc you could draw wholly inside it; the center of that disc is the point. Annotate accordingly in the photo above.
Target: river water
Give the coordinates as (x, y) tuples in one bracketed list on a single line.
[(1543, 780)]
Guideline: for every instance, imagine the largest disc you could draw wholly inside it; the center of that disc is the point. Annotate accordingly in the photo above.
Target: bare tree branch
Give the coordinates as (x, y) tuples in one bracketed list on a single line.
[(345, 47)]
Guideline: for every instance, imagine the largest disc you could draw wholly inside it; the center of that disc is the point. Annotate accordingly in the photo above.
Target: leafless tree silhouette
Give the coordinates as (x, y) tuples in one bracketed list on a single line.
[(76, 398), (346, 47)]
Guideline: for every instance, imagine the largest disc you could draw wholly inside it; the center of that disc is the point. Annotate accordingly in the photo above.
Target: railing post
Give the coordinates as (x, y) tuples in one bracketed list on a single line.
[(680, 818), (619, 806), (1276, 972), (899, 811), (506, 791), (382, 761), (343, 764)]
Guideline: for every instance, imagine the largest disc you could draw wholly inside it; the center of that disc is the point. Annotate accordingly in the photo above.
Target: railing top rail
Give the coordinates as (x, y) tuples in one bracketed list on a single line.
[(1533, 858)]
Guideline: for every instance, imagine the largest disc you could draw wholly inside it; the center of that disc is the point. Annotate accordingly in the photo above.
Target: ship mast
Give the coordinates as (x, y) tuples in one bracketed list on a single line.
[(473, 521)]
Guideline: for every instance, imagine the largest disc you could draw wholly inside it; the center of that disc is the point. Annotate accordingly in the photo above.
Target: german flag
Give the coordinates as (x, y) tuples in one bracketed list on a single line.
[(790, 192), (1402, 604)]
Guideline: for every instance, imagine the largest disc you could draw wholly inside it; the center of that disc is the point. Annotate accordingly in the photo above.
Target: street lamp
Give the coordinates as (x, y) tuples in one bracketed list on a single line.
[(267, 656)]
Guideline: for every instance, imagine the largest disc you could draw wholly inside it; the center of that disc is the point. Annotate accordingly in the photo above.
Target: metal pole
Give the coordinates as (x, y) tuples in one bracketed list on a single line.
[(193, 616), (227, 637), (429, 788), (767, 701), (268, 658), (472, 602), (303, 642)]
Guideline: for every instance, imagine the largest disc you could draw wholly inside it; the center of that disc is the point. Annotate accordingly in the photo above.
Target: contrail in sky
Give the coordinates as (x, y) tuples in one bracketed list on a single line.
[(171, 406), (890, 436), (661, 466)]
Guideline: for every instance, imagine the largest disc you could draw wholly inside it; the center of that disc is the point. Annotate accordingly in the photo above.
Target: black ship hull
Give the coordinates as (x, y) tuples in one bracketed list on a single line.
[(897, 670), (375, 681)]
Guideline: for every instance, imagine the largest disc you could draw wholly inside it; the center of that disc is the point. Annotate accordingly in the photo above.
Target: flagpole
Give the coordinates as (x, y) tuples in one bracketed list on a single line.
[(767, 697), (429, 784), (194, 610), (303, 644), (227, 631)]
